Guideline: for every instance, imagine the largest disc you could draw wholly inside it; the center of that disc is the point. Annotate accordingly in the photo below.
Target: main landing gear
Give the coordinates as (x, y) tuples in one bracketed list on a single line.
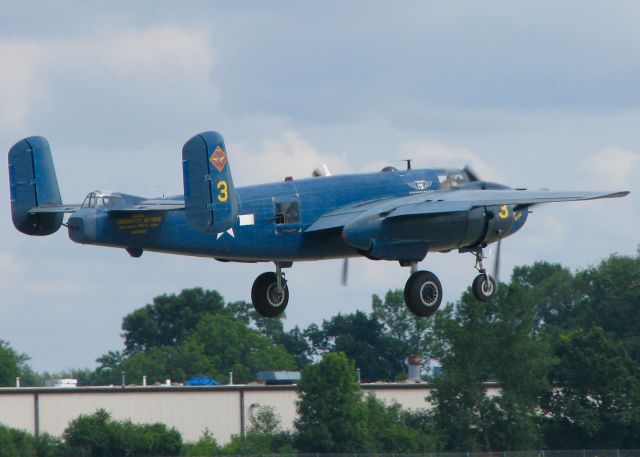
[(270, 294), (423, 291)]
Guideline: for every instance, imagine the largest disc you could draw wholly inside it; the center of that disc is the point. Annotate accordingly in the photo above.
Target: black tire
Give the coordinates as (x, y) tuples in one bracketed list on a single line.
[(423, 293), (265, 297), (483, 289)]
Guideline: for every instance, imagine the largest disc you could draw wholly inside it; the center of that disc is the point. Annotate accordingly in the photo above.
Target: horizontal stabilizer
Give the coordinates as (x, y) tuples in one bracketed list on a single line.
[(53, 209)]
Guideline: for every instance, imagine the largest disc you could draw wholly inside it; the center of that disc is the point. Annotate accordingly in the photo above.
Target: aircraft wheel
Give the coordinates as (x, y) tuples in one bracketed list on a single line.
[(423, 293), (483, 287), (266, 299)]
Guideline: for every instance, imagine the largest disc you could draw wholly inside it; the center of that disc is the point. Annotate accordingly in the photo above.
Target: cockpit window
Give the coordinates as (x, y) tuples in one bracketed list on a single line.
[(89, 200), (111, 202), (99, 200), (450, 180)]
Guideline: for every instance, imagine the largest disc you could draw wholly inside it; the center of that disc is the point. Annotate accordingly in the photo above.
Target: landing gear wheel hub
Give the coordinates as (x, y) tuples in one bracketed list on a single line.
[(423, 293), (483, 287), (269, 300)]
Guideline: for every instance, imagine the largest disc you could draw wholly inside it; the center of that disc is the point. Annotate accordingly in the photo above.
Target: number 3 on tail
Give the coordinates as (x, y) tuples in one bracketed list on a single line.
[(224, 191)]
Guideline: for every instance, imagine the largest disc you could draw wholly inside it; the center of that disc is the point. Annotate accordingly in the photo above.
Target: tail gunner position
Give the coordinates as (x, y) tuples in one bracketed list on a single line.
[(388, 215)]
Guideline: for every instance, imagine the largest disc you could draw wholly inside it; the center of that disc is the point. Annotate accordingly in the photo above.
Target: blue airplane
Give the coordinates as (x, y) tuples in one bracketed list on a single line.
[(398, 215)]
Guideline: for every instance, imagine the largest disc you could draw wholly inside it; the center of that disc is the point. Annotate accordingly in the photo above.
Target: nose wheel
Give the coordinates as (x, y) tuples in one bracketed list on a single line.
[(270, 294), (423, 293), (483, 286)]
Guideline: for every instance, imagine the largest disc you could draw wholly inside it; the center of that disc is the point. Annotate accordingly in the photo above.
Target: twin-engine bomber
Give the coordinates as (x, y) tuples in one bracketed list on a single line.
[(398, 215)]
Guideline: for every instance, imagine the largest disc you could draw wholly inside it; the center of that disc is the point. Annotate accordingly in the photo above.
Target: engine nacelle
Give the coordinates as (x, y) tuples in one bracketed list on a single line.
[(410, 238)]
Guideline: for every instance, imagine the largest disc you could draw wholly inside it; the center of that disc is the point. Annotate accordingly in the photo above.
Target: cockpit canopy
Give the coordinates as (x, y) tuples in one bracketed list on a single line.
[(452, 178), (100, 199)]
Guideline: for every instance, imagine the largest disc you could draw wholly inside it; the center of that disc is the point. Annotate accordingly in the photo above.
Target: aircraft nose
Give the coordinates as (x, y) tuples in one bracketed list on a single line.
[(82, 229)]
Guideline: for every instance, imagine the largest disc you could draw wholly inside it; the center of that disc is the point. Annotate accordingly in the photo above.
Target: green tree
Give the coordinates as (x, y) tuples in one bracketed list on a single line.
[(392, 430), (293, 341), (265, 436), (609, 297), (331, 415), (15, 443), (206, 446), (97, 435), (552, 293), (227, 344), (169, 319), (195, 333), (12, 365), (478, 342), (597, 401), (362, 339), (413, 332)]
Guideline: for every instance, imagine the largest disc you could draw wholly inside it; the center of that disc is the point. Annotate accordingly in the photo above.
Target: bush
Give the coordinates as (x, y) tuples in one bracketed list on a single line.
[(97, 435)]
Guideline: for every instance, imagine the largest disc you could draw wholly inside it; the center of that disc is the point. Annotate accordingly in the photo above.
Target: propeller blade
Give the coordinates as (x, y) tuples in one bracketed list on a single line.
[(472, 176), (345, 272), (496, 265)]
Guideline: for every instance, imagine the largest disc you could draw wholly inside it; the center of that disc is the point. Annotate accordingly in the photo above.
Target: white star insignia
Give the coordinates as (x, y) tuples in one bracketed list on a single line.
[(230, 232)]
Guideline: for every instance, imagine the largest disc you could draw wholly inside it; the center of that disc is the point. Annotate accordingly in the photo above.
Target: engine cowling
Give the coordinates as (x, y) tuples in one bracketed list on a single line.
[(410, 238)]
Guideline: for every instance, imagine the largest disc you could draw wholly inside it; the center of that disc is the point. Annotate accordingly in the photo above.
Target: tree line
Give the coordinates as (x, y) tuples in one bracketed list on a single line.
[(563, 346)]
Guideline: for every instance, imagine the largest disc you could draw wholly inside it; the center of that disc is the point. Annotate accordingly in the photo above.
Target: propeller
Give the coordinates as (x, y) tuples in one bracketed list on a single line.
[(496, 263), (472, 176), (345, 272)]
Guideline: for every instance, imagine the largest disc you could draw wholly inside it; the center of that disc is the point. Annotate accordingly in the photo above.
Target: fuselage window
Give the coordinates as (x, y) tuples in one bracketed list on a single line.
[(287, 213)]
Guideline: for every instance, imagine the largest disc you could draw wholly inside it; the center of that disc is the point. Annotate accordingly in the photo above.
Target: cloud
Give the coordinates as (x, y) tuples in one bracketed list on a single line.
[(613, 167), (428, 154), (286, 155), (105, 72), (10, 268), (21, 82)]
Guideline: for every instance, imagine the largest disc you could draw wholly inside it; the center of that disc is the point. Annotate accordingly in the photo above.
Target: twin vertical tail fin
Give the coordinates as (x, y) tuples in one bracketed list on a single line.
[(211, 202), (33, 184)]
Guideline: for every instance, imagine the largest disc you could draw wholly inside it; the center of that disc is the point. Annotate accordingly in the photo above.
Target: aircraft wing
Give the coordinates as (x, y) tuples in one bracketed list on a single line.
[(443, 202), (464, 200)]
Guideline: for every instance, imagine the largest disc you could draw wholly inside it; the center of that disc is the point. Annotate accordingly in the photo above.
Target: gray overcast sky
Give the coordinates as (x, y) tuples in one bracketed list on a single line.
[(532, 94)]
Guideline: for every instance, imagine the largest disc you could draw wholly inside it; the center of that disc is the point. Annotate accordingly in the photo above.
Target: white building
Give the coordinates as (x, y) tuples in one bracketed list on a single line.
[(224, 411)]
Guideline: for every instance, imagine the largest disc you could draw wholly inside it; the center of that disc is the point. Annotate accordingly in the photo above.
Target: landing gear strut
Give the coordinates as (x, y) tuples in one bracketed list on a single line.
[(423, 292), (270, 293), (484, 286)]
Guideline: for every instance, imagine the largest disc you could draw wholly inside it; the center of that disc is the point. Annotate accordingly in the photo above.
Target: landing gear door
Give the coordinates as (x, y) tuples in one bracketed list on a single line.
[(287, 214)]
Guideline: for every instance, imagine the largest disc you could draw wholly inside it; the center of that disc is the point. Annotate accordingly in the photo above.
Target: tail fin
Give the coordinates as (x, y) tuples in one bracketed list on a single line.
[(211, 202), (33, 183)]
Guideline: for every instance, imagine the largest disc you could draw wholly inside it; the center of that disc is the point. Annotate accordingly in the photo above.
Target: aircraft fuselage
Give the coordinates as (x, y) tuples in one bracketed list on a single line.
[(272, 220)]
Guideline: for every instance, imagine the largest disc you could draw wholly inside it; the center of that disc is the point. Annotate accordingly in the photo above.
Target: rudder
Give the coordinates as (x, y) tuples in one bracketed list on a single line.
[(211, 202), (33, 183)]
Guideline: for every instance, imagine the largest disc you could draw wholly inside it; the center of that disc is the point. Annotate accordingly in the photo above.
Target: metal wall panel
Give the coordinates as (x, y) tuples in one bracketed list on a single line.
[(17, 411), (282, 401), (408, 398), (190, 410), (191, 413)]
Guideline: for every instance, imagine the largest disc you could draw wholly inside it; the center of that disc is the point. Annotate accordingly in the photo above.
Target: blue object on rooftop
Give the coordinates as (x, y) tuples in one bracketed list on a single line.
[(201, 381)]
